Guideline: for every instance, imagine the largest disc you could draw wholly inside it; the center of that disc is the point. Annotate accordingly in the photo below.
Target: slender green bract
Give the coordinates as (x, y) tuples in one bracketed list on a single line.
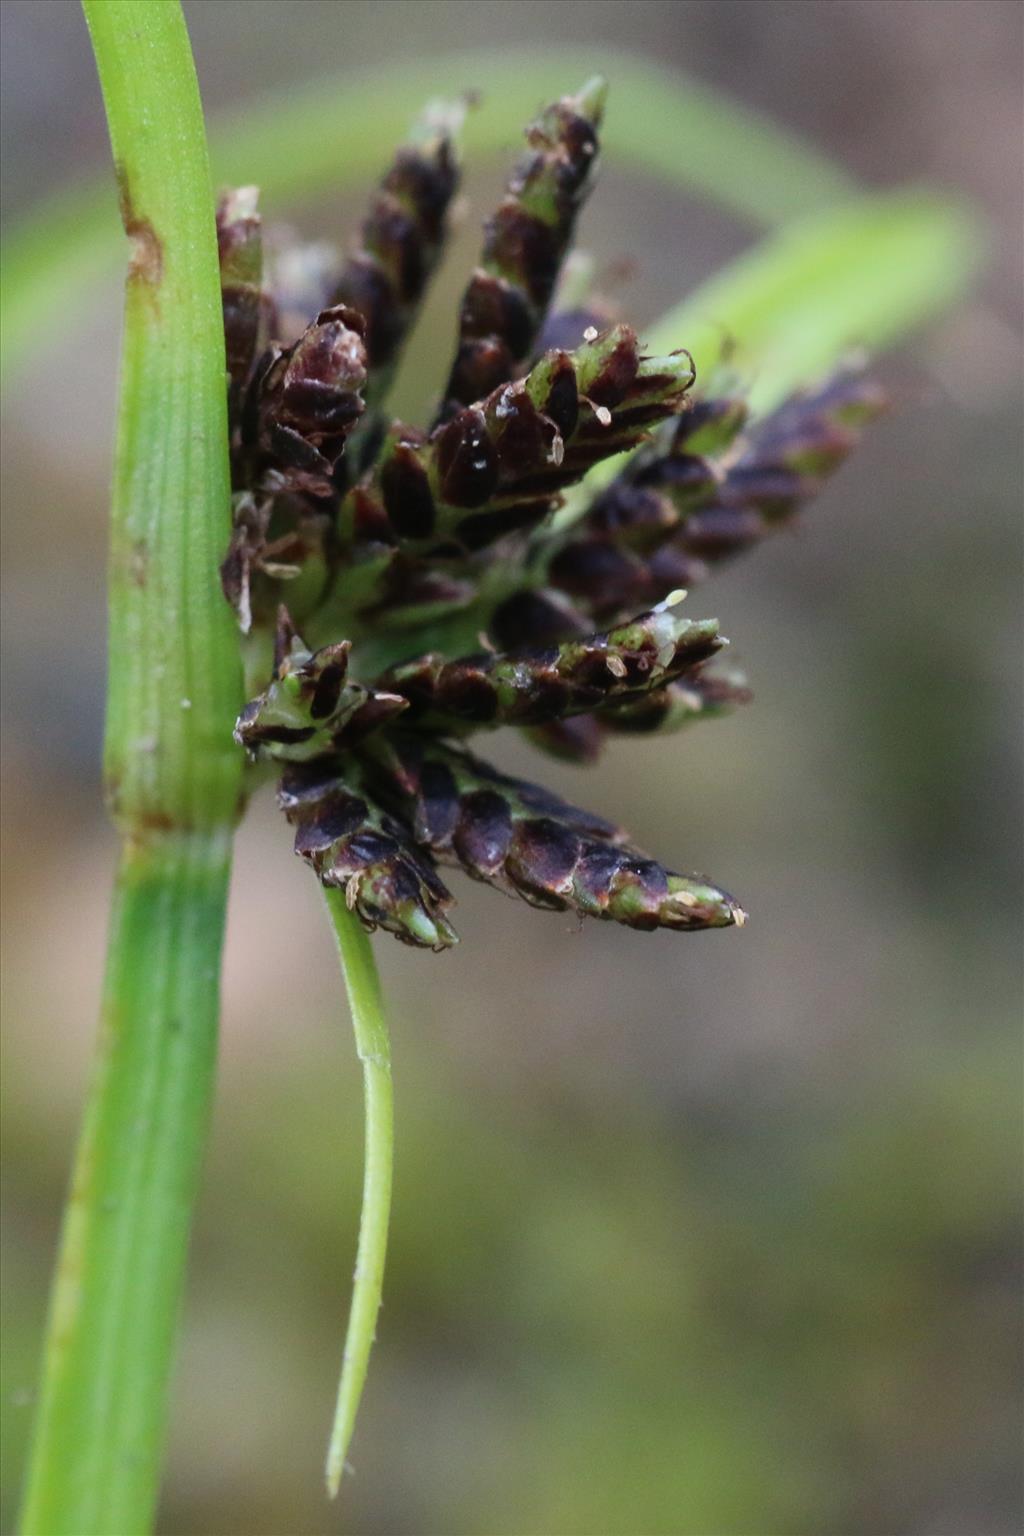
[(373, 1047), (863, 274), (335, 133), (787, 311), (173, 780)]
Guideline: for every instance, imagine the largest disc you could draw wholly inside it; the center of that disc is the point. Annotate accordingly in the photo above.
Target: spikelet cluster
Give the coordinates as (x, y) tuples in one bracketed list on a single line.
[(404, 589)]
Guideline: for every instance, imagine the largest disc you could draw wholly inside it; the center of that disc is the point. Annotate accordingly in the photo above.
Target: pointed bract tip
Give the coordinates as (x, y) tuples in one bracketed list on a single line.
[(678, 365), (430, 932), (333, 1473), (591, 98), (441, 118), (693, 903)]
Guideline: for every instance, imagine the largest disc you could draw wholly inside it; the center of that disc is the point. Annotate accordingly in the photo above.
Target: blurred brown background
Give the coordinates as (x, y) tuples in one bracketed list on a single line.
[(704, 1236)]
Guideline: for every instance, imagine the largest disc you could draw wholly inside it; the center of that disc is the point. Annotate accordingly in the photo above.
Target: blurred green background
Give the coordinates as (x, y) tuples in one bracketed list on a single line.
[(716, 1236)]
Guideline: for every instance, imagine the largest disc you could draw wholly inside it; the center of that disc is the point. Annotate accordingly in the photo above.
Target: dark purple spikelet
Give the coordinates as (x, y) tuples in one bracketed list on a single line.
[(534, 687), (303, 402), (355, 846), (676, 512), (386, 274), (300, 405), (452, 580), (499, 466), (525, 243), (531, 843)]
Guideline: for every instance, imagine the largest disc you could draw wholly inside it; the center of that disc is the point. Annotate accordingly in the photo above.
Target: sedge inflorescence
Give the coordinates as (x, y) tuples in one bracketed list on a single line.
[(424, 586)]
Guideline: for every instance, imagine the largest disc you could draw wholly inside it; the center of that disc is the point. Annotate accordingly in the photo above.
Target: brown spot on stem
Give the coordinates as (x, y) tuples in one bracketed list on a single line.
[(147, 258), (159, 821)]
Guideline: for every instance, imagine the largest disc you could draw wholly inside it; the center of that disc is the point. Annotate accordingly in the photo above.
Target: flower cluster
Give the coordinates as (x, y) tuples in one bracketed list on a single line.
[(443, 584)]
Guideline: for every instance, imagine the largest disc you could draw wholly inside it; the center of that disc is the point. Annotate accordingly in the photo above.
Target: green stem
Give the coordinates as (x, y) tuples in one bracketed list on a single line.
[(96, 1462), (374, 1049), (173, 781)]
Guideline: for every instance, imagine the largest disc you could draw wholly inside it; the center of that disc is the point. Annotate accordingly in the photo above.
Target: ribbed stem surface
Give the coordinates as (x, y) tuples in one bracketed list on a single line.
[(173, 781)]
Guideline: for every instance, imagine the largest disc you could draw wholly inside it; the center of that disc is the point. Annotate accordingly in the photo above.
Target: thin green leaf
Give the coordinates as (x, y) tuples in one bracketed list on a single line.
[(337, 133), (791, 308), (864, 275)]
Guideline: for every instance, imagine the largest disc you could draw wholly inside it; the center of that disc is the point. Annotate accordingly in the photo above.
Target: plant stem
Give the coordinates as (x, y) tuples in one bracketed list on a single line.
[(372, 1044), (96, 1461), (173, 780)]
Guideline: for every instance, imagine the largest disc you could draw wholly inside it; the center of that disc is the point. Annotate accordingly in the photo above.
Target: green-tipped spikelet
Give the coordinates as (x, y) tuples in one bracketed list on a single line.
[(532, 844), (498, 466), (525, 244), (533, 687), (355, 846), (310, 707)]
